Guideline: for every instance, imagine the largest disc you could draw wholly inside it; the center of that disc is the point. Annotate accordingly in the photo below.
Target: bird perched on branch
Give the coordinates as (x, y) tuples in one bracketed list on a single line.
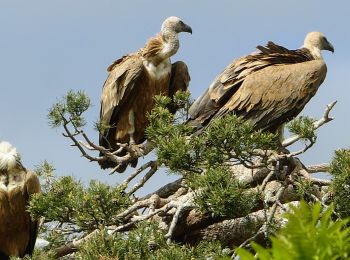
[(18, 230), (267, 88), (133, 81)]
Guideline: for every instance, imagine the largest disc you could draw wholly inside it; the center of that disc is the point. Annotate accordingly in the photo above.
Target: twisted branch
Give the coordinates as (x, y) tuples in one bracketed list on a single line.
[(325, 119)]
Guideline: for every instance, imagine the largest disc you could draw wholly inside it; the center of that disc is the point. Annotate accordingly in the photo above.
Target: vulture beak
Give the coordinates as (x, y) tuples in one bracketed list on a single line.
[(187, 28), (329, 47)]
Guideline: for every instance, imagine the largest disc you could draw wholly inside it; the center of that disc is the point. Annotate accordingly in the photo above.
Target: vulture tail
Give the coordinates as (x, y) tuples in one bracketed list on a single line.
[(3, 256)]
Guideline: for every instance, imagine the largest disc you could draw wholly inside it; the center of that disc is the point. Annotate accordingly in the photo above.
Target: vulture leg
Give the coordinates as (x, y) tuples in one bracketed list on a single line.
[(132, 142), (131, 130)]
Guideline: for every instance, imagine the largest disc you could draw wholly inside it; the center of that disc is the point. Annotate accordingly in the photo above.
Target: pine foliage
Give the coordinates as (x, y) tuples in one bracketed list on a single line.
[(310, 233)]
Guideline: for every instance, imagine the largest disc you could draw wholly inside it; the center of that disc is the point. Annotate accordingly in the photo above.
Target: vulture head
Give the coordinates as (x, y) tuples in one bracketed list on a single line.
[(8, 156), (316, 42), (174, 24)]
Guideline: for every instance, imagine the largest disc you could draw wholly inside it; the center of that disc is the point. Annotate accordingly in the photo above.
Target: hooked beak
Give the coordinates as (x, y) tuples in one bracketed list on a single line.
[(187, 28), (329, 47)]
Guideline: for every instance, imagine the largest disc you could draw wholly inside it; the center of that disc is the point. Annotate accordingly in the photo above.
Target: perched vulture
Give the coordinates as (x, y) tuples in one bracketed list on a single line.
[(133, 81), (267, 88), (17, 230)]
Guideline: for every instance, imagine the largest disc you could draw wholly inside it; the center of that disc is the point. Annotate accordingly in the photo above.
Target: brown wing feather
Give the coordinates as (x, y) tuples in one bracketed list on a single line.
[(32, 186), (123, 76), (284, 88), (230, 80), (179, 80)]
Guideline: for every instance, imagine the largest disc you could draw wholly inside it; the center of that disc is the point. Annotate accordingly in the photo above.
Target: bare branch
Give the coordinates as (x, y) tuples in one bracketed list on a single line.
[(74, 245), (132, 152), (149, 174), (138, 219), (167, 189), (233, 231), (138, 205), (307, 147), (75, 141), (267, 179), (324, 167), (325, 119), (185, 203), (320, 182), (135, 173)]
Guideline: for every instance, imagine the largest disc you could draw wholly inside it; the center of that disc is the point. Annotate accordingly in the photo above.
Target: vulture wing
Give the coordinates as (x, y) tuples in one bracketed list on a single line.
[(179, 80), (218, 98), (123, 76), (276, 94), (32, 186)]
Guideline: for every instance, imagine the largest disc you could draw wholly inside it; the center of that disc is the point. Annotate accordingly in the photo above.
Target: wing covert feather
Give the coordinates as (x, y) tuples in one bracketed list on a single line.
[(32, 186), (285, 89), (119, 84), (225, 93), (179, 81)]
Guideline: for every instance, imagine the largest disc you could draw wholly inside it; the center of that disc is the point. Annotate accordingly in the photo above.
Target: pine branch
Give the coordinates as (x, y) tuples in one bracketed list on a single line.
[(325, 119)]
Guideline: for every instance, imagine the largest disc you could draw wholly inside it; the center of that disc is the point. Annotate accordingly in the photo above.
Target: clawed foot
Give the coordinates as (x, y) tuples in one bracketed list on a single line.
[(136, 150)]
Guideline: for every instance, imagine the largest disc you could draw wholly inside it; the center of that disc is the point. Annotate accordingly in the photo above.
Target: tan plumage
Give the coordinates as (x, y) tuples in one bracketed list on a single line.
[(267, 88), (132, 83), (17, 230)]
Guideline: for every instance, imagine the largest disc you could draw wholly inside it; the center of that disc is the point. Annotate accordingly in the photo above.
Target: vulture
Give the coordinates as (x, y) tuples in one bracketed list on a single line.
[(267, 88), (133, 81), (18, 230)]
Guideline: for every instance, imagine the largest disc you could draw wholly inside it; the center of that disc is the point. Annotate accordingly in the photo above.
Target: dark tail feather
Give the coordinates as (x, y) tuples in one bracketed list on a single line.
[(34, 225), (133, 163), (3, 256)]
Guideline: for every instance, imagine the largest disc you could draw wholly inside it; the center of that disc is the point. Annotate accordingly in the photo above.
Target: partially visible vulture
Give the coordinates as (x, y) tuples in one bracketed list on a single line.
[(133, 81), (267, 88), (18, 230)]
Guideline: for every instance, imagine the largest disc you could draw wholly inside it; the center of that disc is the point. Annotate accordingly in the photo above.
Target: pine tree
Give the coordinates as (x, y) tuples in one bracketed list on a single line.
[(235, 185)]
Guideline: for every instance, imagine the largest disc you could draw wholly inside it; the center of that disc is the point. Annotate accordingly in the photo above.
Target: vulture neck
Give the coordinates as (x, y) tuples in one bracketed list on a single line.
[(315, 51), (171, 43)]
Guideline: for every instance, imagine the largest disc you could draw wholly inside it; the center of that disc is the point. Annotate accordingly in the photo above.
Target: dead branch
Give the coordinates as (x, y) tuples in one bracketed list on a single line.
[(135, 173), (164, 209), (167, 190), (132, 152), (149, 174), (153, 200), (74, 245), (76, 143), (320, 182), (325, 119), (324, 167), (233, 231), (186, 203)]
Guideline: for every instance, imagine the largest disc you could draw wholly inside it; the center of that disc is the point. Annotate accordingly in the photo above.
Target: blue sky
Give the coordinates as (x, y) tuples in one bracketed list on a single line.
[(49, 47)]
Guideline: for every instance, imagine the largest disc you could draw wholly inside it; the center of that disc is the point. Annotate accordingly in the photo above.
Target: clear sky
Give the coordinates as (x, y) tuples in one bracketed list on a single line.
[(49, 47)]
